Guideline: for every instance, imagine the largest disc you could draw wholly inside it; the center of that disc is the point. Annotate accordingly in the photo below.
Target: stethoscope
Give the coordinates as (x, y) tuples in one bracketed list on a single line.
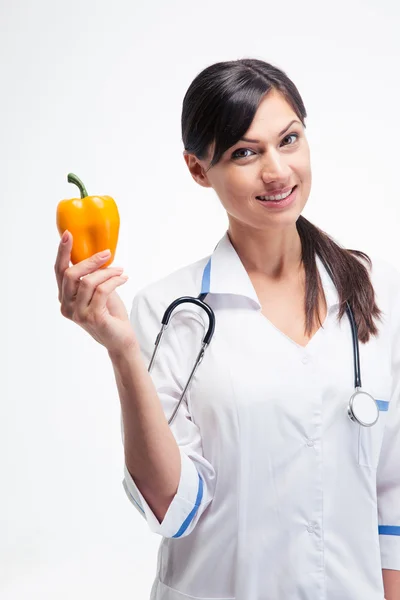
[(362, 408)]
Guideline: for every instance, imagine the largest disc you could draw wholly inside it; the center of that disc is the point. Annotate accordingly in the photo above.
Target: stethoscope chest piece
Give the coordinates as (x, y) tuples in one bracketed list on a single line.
[(363, 409)]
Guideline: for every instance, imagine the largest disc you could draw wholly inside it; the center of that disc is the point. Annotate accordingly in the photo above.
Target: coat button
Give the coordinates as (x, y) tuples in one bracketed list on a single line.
[(310, 529), (310, 442), (305, 360)]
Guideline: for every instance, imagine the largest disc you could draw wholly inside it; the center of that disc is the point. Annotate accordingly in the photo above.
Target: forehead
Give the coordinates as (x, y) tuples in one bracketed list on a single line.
[(273, 113)]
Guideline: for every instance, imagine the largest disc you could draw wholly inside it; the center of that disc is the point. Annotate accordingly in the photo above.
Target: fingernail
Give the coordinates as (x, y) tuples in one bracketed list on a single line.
[(65, 236), (104, 254)]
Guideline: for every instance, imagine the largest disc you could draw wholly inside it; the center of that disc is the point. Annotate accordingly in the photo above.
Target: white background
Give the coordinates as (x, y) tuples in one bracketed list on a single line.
[(96, 88)]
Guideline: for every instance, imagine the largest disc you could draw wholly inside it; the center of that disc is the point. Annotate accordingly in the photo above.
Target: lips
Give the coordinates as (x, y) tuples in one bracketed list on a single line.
[(277, 192)]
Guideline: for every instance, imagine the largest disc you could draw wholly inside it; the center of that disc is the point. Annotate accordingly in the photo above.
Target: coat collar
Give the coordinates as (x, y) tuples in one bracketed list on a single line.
[(224, 273)]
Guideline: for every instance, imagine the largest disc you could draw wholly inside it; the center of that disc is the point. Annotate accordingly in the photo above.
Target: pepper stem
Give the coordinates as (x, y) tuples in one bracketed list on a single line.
[(74, 179)]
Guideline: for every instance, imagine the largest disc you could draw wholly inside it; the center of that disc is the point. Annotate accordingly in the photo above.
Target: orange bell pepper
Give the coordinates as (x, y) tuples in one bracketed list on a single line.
[(93, 222)]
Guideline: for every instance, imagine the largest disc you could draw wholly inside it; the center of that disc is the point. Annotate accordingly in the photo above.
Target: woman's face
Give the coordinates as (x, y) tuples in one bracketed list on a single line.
[(249, 169)]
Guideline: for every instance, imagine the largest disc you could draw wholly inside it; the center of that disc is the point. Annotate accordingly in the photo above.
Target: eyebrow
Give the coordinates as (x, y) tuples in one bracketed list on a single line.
[(244, 139)]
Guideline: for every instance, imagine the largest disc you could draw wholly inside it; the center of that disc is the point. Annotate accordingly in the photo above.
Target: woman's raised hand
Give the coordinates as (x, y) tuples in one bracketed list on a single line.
[(88, 297)]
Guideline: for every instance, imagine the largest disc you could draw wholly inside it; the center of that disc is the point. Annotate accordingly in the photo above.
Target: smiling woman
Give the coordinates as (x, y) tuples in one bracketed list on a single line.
[(252, 101), (270, 490)]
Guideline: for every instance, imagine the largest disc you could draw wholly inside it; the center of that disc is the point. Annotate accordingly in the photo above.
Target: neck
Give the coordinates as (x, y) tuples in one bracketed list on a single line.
[(275, 256)]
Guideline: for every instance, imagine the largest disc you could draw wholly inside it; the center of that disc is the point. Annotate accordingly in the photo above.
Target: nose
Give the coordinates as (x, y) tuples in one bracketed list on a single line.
[(274, 168)]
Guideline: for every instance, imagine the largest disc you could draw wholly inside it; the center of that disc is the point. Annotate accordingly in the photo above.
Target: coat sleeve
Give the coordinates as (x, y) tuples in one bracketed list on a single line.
[(174, 361), (388, 472)]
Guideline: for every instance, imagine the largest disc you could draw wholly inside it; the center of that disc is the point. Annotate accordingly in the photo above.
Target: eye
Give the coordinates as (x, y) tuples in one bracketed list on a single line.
[(235, 157), (290, 135)]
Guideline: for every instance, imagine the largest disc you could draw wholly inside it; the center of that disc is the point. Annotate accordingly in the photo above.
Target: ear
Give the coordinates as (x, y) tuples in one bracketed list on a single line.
[(197, 169)]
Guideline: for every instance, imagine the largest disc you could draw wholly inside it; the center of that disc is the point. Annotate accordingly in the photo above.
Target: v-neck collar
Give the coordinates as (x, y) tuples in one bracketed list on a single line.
[(226, 274)]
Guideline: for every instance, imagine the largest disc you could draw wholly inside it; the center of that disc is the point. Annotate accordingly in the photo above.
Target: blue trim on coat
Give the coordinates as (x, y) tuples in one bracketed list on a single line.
[(190, 516), (389, 530), (205, 284), (383, 405)]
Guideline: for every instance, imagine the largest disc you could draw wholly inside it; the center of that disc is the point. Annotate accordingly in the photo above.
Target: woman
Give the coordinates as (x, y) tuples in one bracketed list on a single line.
[(262, 486)]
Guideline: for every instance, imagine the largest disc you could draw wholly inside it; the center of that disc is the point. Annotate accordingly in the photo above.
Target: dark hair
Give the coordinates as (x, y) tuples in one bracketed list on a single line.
[(218, 108)]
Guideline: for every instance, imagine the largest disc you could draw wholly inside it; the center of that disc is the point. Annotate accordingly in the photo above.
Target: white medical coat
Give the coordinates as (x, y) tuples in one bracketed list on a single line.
[(281, 496)]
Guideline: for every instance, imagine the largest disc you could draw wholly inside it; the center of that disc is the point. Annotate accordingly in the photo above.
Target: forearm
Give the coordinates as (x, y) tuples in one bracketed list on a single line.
[(391, 582), (151, 453)]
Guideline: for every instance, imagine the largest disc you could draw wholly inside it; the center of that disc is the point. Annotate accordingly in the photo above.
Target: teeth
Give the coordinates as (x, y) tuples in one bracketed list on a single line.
[(277, 197)]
